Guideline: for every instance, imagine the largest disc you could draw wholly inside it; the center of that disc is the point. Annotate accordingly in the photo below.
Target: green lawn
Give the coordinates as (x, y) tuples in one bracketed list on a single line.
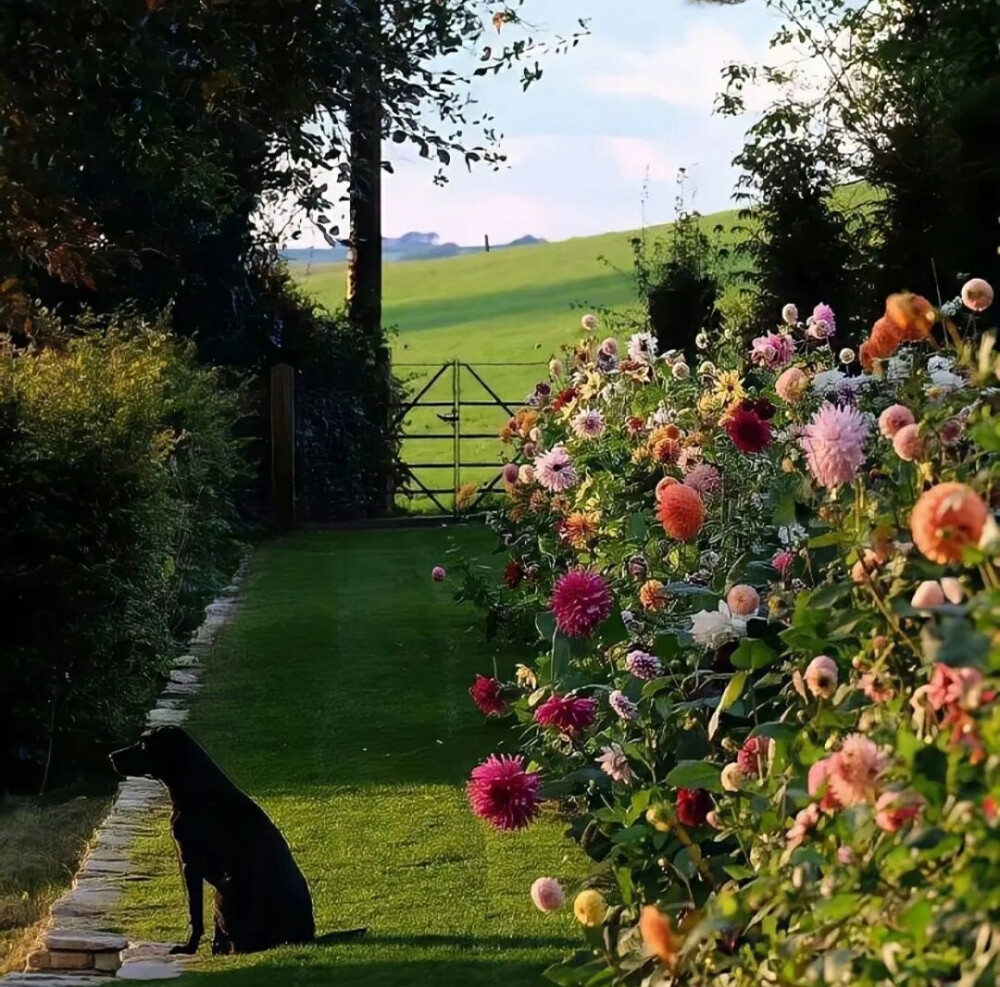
[(338, 700)]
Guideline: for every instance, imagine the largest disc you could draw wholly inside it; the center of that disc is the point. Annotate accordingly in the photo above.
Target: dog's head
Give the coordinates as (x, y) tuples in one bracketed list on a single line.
[(159, 753)]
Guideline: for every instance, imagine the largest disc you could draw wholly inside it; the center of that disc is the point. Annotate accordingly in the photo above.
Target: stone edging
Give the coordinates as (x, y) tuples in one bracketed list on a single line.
[(75, 950)]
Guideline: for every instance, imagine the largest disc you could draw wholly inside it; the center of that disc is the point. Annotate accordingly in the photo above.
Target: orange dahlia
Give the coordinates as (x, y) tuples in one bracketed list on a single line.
[(659, 936), (652, 595), (665, 443), (947, 519), (580, 527), (681, 512), (913, 315)]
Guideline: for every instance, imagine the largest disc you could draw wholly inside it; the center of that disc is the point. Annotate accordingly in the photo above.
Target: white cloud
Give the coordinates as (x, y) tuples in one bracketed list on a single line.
[(684, 72), (637, 159)]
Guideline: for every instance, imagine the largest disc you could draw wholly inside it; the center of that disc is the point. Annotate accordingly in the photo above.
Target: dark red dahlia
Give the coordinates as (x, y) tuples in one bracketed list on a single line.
[(503, 793), (693, 806), (568, 714), (563, 398), (581, 600), (487, 694), (753, 755), (749, 432), (513, 573), (761, 406)]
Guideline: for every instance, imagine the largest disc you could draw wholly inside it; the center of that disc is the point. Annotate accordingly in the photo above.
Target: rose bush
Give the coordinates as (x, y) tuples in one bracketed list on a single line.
[(765, 693)]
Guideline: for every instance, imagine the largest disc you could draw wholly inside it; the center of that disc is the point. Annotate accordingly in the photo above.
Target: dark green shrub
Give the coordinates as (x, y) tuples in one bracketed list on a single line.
[(117, 471)]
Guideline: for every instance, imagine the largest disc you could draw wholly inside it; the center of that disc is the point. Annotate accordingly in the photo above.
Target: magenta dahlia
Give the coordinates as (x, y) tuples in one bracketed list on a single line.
[(487, 694), (503, 793), (581, 599), (568, 714), (749, 432), (623, 706), (752, 756), (773, 350), (834, 444)]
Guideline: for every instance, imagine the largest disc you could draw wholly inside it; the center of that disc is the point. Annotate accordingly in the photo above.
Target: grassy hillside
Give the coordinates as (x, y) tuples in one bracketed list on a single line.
[(506, 313)]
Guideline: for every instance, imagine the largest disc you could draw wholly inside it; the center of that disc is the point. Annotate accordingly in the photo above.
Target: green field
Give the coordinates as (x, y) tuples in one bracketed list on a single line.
[(341, 705), (510, 306)]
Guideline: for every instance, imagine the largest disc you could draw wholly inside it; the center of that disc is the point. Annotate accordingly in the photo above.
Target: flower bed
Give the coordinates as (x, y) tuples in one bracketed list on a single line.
[(768, 610)]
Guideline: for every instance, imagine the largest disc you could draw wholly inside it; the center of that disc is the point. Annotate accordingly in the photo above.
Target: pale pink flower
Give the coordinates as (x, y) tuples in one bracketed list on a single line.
[(588, 424), (704, 479), (823, 323), (952, 589), (610, 346), (789, 314), (895, 417), (614, 763), (821, 676), (743, 600), (928, 594), (977, 295), (713, 820), (907, 443), (805, 822), (547, 894), (875, 690), (773, 350), (856, 770), (589, 322), (954, 685), (893, 810), (834, 444), (791, 385), (845, 855), (554, 470)]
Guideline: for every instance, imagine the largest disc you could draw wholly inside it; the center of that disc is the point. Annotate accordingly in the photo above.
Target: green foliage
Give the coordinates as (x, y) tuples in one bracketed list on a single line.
[(118, 469)]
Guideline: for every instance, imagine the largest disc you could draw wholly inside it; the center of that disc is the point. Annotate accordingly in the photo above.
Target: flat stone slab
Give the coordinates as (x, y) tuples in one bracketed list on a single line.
[(84, 942), (180, 689), (53, 979), (166, 717), (150, 961), (104, 865)]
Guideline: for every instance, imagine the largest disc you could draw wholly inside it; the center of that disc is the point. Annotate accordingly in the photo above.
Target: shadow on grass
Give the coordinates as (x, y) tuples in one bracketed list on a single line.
[(444, 972)]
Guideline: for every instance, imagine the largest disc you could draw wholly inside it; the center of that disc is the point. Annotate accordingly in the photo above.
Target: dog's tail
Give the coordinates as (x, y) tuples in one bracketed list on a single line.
[(344, 935)]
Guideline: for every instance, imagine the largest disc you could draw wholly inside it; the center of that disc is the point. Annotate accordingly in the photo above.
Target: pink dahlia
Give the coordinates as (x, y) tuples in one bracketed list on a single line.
[(856, 770), (953, 685), (554, 470), (438, 574), (907, 443), (643, 665), (783, 562), (834, 444), (704, 479), (753, 756), (568, 714), (487, 694), (503, 793), (977, 295), (547, 894), (580, 600), (614, 763), (773, 350), (622, 705), (588, 424), (895, 417), (823, 323)]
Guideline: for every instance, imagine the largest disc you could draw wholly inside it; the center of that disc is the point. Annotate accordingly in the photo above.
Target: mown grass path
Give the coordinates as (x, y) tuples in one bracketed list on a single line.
[(338, 700)]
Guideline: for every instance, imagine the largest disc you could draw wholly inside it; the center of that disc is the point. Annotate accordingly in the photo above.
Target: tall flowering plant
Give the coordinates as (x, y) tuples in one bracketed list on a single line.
[(769, 620)]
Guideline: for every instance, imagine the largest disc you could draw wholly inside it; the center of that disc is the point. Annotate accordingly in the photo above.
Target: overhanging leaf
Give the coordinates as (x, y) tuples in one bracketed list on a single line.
[(734, 689)]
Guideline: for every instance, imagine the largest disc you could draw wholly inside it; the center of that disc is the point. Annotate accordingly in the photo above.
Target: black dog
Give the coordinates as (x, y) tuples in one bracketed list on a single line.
[(225, 838)]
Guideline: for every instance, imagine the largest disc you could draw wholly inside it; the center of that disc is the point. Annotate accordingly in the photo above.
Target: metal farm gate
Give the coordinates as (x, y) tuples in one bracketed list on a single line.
[(452, 455)]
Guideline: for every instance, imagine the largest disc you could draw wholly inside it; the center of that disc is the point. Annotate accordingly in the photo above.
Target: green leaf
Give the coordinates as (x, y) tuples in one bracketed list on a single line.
[(827, 596), (632, 834), (837, 908), (734, 689), (545, 623), (637, 528), (753, 654), (827, 540), (696, 774)]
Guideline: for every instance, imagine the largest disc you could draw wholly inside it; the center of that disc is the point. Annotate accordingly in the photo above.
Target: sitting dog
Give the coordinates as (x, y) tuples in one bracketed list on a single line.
[(225, 838)]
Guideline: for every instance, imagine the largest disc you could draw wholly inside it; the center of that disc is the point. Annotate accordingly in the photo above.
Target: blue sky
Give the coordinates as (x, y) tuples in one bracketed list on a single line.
[(634, 98)]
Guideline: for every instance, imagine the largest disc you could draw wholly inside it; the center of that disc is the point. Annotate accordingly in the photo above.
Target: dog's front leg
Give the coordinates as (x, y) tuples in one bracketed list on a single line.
[(193, 883)]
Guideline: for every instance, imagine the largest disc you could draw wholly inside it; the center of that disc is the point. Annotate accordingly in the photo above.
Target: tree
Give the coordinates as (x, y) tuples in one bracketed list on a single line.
[(143, 140)]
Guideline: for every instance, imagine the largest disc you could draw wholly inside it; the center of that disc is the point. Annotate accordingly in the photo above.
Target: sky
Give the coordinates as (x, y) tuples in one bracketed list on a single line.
[(630, 105)]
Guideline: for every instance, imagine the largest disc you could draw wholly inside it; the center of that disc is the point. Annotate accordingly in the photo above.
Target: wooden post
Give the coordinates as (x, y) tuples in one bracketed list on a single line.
[(364, 280), (283, 445), (486, 238)]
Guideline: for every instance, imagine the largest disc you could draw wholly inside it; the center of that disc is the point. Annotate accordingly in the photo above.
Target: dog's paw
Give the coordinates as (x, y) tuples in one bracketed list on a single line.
[(221, 947), (184, 949)]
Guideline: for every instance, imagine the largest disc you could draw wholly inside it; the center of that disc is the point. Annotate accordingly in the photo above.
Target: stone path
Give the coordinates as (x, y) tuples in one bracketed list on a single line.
[(77, 949)]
